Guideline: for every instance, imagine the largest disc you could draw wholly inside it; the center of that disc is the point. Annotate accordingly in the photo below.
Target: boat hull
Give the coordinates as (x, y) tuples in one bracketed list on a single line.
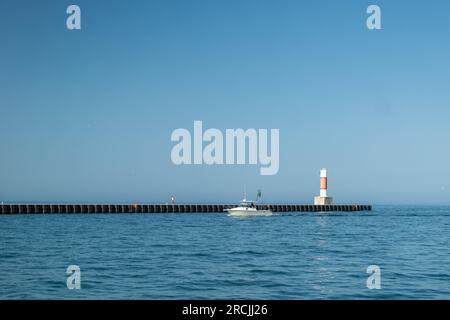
[(243, 212)]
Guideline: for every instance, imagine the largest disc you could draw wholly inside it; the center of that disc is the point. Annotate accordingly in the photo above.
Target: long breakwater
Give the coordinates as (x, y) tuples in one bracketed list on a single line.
[(166, 208)]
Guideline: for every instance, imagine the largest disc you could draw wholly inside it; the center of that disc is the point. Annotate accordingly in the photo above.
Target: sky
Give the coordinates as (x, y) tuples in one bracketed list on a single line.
[(87, 115)]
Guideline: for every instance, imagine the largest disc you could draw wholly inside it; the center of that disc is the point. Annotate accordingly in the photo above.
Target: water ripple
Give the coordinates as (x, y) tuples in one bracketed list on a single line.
[(211, 256)]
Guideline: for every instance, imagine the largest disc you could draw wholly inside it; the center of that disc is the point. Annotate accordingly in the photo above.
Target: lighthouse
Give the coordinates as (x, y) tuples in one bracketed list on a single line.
[(323, 198)]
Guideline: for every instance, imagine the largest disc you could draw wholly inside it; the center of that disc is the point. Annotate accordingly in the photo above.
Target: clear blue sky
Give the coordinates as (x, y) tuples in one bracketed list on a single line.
[(87, 115)]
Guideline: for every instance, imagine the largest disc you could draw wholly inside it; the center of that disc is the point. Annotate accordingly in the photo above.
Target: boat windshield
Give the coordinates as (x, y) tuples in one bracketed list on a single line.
[(247, 204)]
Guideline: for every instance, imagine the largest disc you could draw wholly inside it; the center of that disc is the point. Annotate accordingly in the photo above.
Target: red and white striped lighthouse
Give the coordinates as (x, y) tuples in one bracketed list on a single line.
[(323, 182), (323, 198)]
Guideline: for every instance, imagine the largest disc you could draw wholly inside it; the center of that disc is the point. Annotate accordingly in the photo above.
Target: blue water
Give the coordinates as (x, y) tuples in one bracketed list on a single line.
[(213, 256)]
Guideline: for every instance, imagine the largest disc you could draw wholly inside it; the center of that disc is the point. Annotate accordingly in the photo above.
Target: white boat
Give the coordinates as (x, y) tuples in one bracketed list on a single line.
[(247, 208)]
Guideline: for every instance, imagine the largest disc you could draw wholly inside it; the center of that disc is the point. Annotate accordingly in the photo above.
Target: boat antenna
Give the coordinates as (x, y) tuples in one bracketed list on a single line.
[(245, 192)]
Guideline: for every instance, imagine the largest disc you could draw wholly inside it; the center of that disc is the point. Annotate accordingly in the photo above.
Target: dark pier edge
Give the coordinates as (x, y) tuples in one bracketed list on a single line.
[(166, 208)]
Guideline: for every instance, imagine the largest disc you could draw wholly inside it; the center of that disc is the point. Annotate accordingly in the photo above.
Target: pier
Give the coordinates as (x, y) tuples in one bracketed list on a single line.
[(166, 208)]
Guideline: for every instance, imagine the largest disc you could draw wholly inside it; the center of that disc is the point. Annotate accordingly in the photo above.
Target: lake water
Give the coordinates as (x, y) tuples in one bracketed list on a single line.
[(213, 256)]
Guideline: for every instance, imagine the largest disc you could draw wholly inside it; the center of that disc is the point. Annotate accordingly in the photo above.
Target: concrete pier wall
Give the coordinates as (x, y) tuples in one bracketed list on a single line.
[(165, 208)]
